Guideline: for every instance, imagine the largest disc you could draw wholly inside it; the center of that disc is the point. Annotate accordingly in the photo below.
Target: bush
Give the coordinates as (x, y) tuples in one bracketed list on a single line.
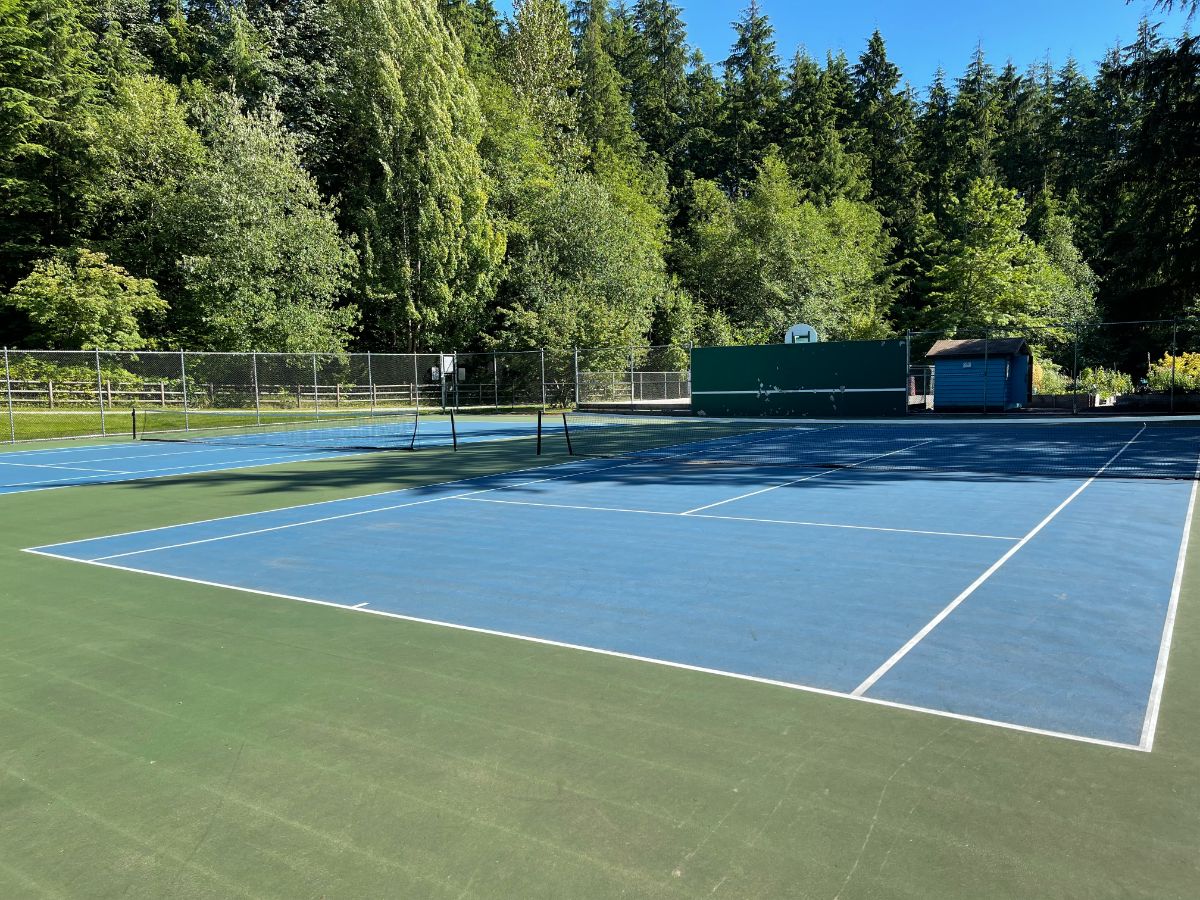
[(1187, 373), (1049, 378), (1105, 382)]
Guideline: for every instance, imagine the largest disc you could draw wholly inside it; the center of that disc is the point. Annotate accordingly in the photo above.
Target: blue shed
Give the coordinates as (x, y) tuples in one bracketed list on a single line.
[(978, 374)]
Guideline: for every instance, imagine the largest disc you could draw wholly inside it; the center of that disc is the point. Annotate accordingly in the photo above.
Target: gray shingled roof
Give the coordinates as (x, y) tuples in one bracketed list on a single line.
[(978, 347)]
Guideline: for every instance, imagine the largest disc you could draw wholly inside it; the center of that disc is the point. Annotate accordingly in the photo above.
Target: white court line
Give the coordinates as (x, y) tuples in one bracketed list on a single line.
[(63, 466), (324, 519), (167, 470), (1150, 723), (776, 487), (991, 570), (739, 676), (679, 515)]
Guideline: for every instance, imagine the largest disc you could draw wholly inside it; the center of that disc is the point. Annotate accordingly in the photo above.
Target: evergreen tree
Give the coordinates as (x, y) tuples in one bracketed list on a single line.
[(753, 91), (936, 153), (604, 116), (975, 120), (49, 84), (658, 85), (886, 138), (809, 138)]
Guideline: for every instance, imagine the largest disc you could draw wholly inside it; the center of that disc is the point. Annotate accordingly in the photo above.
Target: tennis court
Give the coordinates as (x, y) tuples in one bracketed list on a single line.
[(663, 658), (983, 572), (212, 448)]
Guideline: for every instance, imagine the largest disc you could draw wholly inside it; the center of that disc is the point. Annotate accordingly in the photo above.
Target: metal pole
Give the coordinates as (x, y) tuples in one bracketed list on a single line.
[(183, 384), (417, 383), (1174, 353), (455, 379), (496, 378), (316, 390), (577, 377), (542, 354), (370, 381), (100, 393), (985, 371), (12, 426), (1075, 375), (908, 371), (632, 393), (257, 408)]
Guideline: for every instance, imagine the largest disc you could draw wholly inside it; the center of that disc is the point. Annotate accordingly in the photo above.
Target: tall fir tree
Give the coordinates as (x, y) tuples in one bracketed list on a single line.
[(658, 85), (975, 120), (886, 138), (604, 116), (809, 138), (753, 91)]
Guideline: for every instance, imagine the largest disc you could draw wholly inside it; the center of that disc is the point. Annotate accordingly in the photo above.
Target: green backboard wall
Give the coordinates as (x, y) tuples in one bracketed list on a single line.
[(841, 378)]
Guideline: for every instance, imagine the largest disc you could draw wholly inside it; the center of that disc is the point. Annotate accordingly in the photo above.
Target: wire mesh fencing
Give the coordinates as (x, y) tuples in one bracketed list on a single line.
[(1149, 366), (52, 394)]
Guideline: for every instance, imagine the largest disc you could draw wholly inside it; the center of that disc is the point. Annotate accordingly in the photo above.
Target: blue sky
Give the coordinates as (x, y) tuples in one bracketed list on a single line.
[(923, 34)]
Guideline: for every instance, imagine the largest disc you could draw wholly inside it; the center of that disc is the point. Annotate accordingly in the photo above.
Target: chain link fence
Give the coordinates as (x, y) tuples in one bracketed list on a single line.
[(1136, 367), (51, 394)]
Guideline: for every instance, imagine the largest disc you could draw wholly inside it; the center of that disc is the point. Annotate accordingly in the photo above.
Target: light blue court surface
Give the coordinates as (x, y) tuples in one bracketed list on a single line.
[(32, 470), (1041, 603)]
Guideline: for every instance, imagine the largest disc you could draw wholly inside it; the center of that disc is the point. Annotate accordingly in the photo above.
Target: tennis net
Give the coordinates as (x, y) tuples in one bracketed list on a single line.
[(1114, 447), (333, 430)]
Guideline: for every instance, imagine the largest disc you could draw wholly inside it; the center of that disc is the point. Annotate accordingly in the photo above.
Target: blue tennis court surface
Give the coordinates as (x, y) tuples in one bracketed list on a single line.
[(31, 470), (1028, 602)]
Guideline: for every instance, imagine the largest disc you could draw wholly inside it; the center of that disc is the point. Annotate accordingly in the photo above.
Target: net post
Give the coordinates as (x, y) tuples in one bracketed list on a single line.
[(496, 379), (453, 432), (100, 394), (133, 417), (254, 370), (316, 390), (539, 432), (576, 380), (412, 444), (542, 356), (567, 434), (183, 386), (1174, 354), (12, 426), (370, 381)]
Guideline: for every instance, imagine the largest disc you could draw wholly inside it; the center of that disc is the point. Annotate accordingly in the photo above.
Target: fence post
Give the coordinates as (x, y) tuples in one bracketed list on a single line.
[(370, 381), (100, 394), (632, 390), (454, 380), (576, 377), (986, 374), (496, 378), (542, 357), (1075, 374), (183, 384), (416, 383), (908, 375), (254, 375), (1174, 353), (12, 426), (316, 390)]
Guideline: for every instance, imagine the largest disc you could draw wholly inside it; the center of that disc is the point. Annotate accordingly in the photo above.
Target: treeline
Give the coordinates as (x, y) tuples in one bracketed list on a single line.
[(304, 175)]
